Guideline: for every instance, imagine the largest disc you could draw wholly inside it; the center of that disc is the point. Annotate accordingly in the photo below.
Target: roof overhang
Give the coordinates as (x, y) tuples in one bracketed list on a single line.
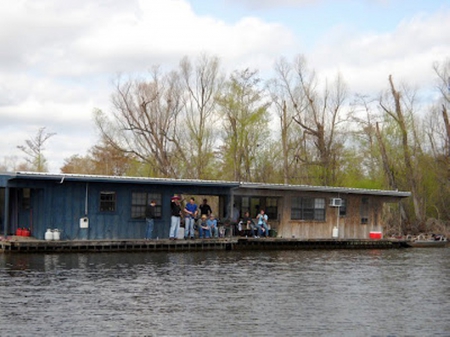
[(118, 179), (63, 177), (325, 189)]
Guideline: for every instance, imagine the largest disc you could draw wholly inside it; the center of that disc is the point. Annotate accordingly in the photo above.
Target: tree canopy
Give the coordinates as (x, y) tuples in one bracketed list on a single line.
[(197, 122)]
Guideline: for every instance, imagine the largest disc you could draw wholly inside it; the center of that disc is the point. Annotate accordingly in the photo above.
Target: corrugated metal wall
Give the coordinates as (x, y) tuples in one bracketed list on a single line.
[(61, 206)]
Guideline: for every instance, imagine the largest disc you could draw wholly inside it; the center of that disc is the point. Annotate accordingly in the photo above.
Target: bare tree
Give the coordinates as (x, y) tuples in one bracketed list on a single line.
[(397, 114), (442, 71), (202, 83), (318, 114), (292, 136), (145, 122), (9, 163), (34, 148)]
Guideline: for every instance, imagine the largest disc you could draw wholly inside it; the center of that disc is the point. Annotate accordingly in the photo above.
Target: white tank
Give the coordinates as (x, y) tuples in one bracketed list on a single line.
[(56, 234), (180, 233), (335, 232), (48, 235)]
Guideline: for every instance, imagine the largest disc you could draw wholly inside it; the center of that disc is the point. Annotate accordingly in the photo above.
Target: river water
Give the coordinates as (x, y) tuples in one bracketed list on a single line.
[(399, 292)]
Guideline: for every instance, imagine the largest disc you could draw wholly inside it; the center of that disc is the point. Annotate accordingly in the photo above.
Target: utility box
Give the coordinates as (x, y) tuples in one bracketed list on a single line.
[(84, 222)]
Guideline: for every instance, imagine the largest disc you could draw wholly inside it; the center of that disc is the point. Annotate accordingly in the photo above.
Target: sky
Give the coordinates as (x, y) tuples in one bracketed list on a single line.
[(59, 59)]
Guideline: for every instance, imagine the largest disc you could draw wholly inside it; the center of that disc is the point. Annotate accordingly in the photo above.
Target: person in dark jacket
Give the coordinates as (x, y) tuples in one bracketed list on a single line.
[(175, 210), (150, 212), (205, 209)]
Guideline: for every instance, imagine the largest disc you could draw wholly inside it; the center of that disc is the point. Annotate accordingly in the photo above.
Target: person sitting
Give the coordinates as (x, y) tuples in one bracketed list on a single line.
[(204, 231), (212, 224), (250, 224), (263, 228)]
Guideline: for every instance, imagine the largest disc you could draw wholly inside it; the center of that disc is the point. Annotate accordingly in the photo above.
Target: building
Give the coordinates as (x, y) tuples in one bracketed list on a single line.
[(89, 207)]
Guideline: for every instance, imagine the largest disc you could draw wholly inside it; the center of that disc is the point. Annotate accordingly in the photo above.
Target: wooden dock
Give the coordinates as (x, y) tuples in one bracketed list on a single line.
[(30, 245)]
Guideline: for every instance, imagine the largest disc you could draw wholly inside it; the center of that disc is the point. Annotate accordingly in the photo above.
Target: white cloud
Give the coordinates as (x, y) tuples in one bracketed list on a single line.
[(367, 59), (58, 57), (255, 4)]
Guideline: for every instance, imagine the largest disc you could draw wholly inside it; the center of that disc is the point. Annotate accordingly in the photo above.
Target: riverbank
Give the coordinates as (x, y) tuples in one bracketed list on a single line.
[(16, 244)]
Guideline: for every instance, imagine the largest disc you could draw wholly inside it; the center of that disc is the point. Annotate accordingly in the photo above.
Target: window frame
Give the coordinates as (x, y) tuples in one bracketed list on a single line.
[(137, 211), (108, 205), (343, 208), (271, 207), (364, 211), (308, 208), (253, 204)]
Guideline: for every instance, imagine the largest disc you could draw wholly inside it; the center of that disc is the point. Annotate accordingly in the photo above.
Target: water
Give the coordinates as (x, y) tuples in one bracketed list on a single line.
[(403, 292)]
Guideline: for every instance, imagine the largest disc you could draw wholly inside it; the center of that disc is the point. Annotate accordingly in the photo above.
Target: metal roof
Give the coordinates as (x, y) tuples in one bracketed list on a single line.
[(119, 179), (328, 189), (169, 181)]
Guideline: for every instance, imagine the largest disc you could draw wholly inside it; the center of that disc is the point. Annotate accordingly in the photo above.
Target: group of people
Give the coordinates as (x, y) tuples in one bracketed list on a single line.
[(206, 224), (260, 229)]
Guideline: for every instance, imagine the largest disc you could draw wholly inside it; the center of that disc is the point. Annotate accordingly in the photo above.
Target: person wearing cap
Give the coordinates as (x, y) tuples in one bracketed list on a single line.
[(212, 224), (190, 210), (204, 231), (175, 210)]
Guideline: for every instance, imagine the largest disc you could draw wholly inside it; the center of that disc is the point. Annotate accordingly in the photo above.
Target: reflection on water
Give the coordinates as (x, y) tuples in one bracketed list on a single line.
[(279, 293)]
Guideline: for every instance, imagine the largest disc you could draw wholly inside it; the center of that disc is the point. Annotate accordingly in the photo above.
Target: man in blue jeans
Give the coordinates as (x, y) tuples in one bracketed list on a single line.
[(191, 213), (150, 212), (263, 228)]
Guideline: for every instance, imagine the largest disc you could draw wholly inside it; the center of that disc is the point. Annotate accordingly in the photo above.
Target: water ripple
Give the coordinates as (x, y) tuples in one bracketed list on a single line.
[(280, 293)]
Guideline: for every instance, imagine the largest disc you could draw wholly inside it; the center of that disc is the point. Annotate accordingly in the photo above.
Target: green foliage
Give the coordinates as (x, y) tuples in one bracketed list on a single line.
[(245, 123), (188, 123)]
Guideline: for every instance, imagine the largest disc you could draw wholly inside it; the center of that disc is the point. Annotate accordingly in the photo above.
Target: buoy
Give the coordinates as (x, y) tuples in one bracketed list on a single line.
[(48, 235), (335, 232)]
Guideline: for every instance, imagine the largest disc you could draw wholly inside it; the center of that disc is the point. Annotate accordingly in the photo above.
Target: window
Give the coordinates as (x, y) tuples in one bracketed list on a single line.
[(272, 208), (343, 208), (253, 205), (308, 208), (140, 200), (107, 201), (364, 211)]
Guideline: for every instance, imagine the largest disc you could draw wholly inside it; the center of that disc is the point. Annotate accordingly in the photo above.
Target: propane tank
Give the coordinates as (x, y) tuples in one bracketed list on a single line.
[(56, 234), (335, 232), (48, 235)]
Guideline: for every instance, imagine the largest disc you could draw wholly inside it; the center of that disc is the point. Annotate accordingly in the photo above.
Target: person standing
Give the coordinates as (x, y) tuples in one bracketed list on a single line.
[(205, 209), (150, 212), (190, 210), (175, 218)]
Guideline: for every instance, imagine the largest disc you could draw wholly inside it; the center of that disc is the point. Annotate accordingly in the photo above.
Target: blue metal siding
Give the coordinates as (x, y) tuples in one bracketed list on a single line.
[(61, 206)]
